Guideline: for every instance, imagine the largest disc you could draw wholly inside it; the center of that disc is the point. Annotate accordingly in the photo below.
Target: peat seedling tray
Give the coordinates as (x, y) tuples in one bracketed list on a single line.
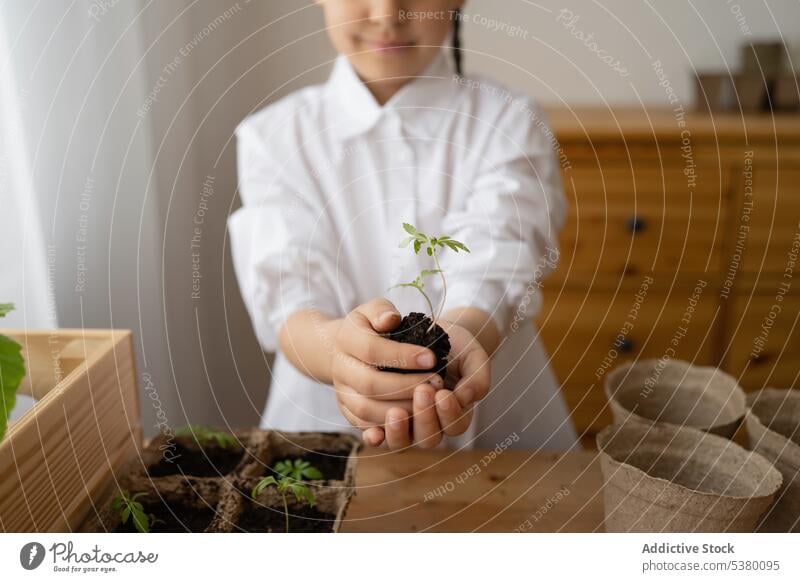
[(191, 486)]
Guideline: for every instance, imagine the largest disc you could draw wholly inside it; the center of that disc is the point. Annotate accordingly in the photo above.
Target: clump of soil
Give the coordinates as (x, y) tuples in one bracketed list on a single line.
[(212, 461), (413, 329), (259, 519), (175, 518)]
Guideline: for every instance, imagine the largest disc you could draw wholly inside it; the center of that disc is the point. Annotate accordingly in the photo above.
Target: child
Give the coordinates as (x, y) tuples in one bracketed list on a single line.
[(328, 176)]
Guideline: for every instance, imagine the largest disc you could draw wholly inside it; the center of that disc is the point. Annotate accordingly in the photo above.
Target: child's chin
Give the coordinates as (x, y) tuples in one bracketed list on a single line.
[(392, 63)]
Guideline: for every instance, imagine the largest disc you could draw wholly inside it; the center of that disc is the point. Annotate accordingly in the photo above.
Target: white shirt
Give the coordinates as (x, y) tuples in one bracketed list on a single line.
[(327, 177)]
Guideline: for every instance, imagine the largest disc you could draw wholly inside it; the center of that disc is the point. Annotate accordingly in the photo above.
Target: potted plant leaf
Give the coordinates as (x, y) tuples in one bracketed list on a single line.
[(12, 371), (418, 328)]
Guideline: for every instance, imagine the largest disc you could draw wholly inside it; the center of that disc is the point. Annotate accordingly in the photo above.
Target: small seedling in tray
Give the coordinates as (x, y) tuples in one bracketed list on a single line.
[(128, 508), (417, 328), (290, 481), (204, 435)]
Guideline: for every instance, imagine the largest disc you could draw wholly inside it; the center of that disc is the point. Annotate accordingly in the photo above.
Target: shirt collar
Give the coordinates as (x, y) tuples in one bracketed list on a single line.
[(421, 104)]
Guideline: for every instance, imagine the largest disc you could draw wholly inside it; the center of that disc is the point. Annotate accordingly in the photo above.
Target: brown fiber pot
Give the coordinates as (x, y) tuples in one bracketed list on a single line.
[(773, 430), (677, 393), (664, 478)]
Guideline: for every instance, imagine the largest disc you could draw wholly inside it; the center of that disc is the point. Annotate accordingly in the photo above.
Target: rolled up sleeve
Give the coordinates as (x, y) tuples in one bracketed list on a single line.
[(511, 220), (281, 245)]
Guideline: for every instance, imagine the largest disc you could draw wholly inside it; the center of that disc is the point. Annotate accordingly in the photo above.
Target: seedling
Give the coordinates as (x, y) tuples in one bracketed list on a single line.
[(297, 470), (128, 508), (289, 481), (12, 371), (418, 241), (204, 434)]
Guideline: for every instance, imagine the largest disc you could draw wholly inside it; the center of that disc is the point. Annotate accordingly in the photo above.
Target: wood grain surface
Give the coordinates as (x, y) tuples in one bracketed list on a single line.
[(466, 491)]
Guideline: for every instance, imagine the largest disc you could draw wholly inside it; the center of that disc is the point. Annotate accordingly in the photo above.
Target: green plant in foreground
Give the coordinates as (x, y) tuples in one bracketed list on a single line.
[(289, 481), (128, 508), (12, 371), (418, 241), (204, 434)]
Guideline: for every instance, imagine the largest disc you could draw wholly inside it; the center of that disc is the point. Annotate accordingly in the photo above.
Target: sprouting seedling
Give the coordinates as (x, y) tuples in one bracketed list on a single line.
[(289, 481), (418, 241), (128, 508), (297, 470), (204, 434)]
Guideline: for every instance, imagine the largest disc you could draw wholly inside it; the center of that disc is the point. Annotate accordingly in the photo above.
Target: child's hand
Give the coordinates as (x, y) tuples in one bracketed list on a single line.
[(364, 393), (434, 413)]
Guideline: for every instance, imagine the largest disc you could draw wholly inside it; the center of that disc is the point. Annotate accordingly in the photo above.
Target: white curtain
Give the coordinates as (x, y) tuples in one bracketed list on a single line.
[(23, 261)]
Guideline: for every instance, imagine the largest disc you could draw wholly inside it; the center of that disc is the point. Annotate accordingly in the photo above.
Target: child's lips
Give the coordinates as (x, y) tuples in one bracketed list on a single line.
[(388, 45)]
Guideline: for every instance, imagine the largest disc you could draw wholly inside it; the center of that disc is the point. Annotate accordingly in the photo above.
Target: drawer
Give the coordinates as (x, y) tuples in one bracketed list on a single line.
[(762, 243), (650, 222), (649, 183), (764, 340), (588, 333)]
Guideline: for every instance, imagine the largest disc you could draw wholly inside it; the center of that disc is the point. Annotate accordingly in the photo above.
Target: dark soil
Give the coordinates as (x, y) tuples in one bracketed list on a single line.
[(332, 464), (207, 462), (413, 329), (260, 519), (181, 519)]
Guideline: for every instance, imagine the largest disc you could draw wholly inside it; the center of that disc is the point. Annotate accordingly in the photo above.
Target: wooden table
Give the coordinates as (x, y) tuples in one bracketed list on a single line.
[(447, 491)]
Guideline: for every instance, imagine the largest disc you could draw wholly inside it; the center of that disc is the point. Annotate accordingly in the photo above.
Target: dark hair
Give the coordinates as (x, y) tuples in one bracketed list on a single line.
[(457, 54)]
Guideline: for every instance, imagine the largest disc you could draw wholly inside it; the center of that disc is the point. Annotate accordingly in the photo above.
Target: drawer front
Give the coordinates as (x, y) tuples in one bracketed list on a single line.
[(764, 339), (765, 225), (589, 333), (623, 222)]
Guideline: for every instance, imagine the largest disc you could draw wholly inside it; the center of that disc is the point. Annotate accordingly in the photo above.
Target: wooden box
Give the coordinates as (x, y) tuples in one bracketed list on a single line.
[(58, 459)]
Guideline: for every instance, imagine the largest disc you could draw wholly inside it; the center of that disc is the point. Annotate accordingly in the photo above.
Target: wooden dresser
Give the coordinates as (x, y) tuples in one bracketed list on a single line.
[(682, 241)]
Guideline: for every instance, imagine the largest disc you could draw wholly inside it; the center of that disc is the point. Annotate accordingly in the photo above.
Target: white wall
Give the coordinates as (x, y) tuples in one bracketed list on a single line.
[(550, 60)]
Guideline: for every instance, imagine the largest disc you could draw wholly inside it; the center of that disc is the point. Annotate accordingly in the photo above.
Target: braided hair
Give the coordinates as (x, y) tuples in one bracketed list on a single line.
[(457, 53)]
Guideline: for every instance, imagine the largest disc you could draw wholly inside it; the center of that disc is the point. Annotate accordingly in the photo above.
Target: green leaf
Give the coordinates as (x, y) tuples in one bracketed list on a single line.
[(296, 470), (415, 285), (141, 521), (6, 308), (226, 440), (263, 484), (310, 499), (312, 473), (127, 508), (430, 251), (283, 468), (302, 493), (417, 246), (407, 241), (12, 371), (204, 434), (429, 272), (409, 228), (456, 246)]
